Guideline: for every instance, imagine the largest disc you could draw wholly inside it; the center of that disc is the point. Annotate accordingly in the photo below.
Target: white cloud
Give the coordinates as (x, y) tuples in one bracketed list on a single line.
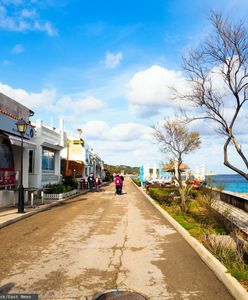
[(23, 19), (89, 104), (28, 13), (78, 106), (48, 100), (112, 60), (31, 100), (17, 49), (6, 62), (123, 143), (96, 129), (150, 90), (121, 132)]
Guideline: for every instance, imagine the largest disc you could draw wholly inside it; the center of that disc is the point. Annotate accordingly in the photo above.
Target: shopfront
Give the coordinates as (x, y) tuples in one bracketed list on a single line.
[(7, 169), (10, 148)]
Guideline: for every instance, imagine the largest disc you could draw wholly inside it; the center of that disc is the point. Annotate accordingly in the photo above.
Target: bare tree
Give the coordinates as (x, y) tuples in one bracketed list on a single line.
[(177, 141), (224, 55)]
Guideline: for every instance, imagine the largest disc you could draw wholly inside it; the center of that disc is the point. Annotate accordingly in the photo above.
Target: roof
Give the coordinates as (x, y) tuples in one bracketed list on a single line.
[(171, 168), (14, 109)]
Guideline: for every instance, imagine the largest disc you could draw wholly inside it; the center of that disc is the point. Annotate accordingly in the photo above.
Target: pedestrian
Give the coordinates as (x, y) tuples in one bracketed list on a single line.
[(118, 184), (122, 179), (91, 181), (98, 182)]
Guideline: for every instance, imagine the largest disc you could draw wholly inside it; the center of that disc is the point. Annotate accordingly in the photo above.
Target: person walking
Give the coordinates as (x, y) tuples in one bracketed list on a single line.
[(91, 181), (98, 182), (122, 179), (118, 184)]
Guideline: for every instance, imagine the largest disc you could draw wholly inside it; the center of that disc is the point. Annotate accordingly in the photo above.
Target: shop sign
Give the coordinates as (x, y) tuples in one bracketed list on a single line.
[(8, 125)]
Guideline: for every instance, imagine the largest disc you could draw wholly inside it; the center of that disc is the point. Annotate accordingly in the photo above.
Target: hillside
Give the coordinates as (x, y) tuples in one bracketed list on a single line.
[(122, 169)]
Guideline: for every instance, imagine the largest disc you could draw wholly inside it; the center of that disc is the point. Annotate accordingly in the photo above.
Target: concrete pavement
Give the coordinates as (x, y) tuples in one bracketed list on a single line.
[(104, 242)]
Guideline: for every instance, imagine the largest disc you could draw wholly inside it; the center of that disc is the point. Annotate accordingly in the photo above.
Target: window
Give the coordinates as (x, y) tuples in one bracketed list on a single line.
[(48, 156), (6, 156), (31, 161), (7, 174)]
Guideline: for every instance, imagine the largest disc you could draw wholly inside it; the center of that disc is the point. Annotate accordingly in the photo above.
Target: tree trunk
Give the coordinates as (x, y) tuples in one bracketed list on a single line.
[(181, 189), (183, 198)]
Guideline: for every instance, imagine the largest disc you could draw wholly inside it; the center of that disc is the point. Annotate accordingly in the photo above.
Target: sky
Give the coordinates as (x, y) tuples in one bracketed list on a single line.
[(106, 66)]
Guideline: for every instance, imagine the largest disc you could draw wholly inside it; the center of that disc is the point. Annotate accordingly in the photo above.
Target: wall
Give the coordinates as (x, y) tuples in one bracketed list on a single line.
[(54, 139), (234, 199), (7, 198)]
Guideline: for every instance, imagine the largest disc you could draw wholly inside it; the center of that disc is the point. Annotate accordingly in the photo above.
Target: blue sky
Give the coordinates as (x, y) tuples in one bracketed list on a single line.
[(104, 66)]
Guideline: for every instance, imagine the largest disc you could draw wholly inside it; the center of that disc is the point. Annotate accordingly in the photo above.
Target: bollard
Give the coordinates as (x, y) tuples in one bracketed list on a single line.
[(42, 197), (26, 196), (32, 199)]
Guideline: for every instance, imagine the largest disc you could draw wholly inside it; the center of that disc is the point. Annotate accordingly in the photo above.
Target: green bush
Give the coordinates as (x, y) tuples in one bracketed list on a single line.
[(68, 184), (108, 176), (70, 181), (136, 181), (165, 196)]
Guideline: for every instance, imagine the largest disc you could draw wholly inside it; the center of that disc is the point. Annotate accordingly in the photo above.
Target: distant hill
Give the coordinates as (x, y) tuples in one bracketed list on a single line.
[(122, 168)]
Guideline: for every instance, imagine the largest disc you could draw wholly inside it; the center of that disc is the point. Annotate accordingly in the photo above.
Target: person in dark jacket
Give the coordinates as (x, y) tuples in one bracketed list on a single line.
[(91, 181)]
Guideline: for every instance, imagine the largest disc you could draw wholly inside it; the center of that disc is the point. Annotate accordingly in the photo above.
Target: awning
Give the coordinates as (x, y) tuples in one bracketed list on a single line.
[(53, 146), (15, 140)]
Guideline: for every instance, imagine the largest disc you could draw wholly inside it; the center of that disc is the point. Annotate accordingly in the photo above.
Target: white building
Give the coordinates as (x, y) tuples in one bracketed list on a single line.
[(200, 173), (94, 164), (151, 172), (44, 161)]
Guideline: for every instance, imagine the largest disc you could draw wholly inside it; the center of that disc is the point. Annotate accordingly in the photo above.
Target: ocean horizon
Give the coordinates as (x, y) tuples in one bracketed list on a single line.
[(229, 182)]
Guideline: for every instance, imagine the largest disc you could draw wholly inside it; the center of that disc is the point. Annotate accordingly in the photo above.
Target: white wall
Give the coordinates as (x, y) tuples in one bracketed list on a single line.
[(51, 138)]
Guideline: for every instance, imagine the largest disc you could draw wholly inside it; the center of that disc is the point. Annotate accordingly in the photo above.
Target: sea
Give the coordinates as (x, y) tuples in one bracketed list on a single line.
[(233, 183)]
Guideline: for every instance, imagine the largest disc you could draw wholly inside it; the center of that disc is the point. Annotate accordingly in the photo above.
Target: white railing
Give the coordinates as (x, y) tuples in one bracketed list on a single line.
[(59, 196)]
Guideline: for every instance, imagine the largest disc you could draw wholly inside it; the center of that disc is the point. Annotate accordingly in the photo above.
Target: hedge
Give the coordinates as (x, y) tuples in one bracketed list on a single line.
[(164, 195), (136, 181)]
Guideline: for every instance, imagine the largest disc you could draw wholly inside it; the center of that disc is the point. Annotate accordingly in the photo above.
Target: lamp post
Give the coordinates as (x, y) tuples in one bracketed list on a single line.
[(94, 165), (21, 128)]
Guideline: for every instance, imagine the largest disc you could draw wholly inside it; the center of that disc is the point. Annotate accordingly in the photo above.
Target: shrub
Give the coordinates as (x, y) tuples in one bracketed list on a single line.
[(108, 176), (136, 181), (70, 181), (165, 196), (68, 184)]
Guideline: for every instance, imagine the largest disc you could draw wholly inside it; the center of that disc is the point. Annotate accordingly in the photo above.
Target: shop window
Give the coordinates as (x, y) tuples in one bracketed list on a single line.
[(31, 162), (6, 156), (7, 173), (48, 159)]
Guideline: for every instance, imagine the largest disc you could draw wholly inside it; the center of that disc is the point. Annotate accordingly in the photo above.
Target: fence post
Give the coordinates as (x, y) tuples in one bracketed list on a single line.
[(32, 199), (26, 196)]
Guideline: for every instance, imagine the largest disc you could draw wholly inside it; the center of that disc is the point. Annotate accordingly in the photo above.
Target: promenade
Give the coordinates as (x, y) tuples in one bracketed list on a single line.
[(101, 242)]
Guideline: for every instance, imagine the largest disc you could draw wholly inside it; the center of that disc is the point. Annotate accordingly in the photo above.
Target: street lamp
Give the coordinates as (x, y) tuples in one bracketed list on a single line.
[(94, 165), (21, 128)]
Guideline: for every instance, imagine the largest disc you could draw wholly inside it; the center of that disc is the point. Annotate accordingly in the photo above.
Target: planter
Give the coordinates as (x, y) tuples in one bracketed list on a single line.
[(59, 196)]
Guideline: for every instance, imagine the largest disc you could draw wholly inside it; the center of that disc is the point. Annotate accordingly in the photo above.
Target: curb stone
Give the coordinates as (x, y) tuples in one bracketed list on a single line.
[(44, 208), (232, 284)]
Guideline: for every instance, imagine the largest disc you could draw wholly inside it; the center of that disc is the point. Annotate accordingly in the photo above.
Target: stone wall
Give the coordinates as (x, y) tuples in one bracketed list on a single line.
[(235, 199)]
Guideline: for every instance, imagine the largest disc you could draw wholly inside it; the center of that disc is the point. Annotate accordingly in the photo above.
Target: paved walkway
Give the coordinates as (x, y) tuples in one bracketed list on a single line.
[(103, 242), (235, 215), (10, 215)]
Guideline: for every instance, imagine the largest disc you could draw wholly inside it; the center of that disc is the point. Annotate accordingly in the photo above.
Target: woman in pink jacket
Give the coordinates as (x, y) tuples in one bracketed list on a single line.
[(118, 184)]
